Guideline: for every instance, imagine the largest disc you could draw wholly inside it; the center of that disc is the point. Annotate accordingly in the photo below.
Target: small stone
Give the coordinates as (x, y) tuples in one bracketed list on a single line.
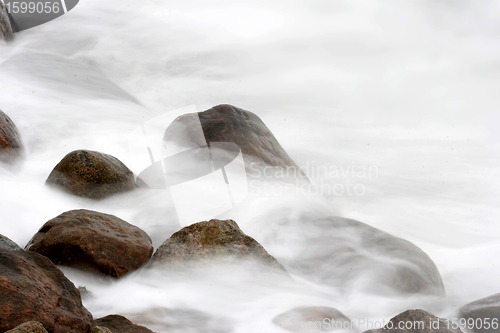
[(29, 327)]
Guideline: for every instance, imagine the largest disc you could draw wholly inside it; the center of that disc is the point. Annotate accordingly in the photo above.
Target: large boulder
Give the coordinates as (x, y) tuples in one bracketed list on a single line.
[(93, 241), (417, 321), (33, 289), (119, 324), (352, 256), (484, 313), (11, 147), (314, 319), (227, 123), (214, 241), (8, 244), (91, 174)]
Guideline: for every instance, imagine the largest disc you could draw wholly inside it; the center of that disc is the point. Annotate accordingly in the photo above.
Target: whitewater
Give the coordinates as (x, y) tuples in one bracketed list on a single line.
[(390, 107)]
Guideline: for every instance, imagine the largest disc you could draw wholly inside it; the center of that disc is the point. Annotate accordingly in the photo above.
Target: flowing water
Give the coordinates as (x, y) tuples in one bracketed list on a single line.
[(390, 107)]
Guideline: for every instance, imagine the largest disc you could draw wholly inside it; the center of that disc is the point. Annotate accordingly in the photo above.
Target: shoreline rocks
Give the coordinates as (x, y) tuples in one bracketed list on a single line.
[(485, 313), (33, 289), (91, 174), (93, 241)]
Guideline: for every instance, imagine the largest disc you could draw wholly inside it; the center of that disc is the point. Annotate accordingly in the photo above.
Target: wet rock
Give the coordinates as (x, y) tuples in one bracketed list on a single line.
[(93, 241), (120, 324), (314, 319), (485, 313), (214, 241), (11, 147), (417, 321), (352, 255), (29, 327), (7, 26), (227, 123), (99, 329), (8, 244), (33, 289), (91, 174)]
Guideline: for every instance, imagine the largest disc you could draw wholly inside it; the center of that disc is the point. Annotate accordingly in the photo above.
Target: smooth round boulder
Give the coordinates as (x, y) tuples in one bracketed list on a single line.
[(93, 241), (91, 174), (119, 324), (484, 313), (11, 147), (33, 289), (8, 244)]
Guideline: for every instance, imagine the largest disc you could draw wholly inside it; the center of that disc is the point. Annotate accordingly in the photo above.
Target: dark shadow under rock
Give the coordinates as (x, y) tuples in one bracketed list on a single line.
[(93, 241), (91, 174), (33, 289), (485, 313)]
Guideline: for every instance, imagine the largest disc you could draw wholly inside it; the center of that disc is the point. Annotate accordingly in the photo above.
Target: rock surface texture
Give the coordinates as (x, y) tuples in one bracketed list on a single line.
[(119, 324), (11, 147), (214, 241), (93, 241), (29, 327), (485, 313), (6, 23), (7, 244), (91, 174), (227, 123), (33, 289)]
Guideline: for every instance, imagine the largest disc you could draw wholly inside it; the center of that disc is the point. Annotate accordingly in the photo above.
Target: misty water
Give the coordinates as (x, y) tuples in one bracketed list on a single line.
[(390, 107)]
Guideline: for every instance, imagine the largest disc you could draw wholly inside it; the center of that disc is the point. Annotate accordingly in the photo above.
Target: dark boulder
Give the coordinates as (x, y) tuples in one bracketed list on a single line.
[(93, 241), (352, 255), (8, 244), (11, 147), (29, 327), (91, 174), (119, 324), (214, 241), (417, 321), (227, 123), (33, 289), (485, 313), (314, 319)]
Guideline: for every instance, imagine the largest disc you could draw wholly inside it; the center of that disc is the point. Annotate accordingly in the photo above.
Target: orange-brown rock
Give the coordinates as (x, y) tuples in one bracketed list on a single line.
[(93, 241), (11, 147)]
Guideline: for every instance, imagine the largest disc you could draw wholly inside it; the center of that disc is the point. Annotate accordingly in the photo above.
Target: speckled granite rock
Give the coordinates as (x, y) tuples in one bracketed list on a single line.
[(11, 147), (91, 174), (29, 327), (93, 241), (33, 289), (214, 241)]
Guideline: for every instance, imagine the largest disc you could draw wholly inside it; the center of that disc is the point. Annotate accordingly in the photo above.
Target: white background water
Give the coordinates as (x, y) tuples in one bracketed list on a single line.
[(409, 88)]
